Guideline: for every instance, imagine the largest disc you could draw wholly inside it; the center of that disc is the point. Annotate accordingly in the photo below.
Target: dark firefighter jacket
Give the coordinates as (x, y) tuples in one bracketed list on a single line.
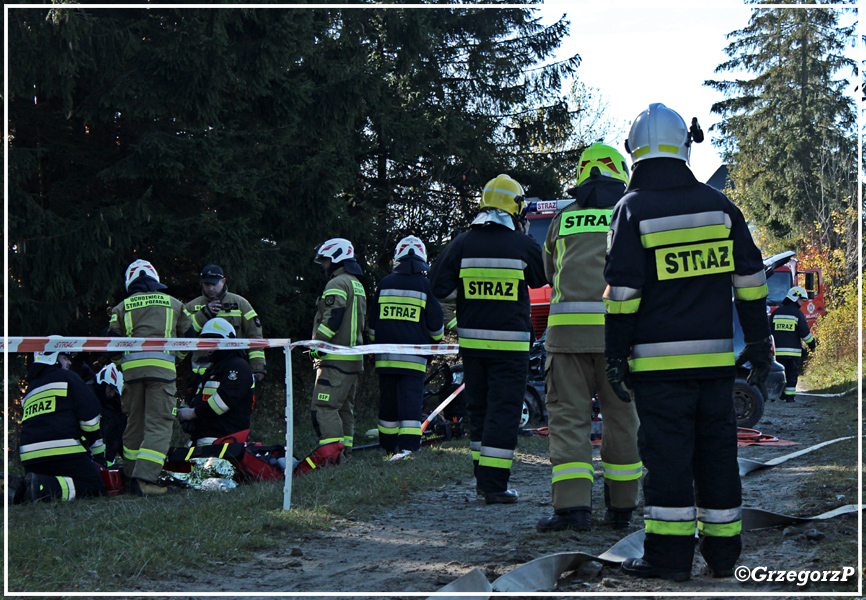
[(789, 327), (224, 400), (675, 250), (574, 254), (404, 311), (489, 270), (58, 411)]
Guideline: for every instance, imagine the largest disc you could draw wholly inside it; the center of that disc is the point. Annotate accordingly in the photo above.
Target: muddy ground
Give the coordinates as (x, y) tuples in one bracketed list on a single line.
[(437, 536)]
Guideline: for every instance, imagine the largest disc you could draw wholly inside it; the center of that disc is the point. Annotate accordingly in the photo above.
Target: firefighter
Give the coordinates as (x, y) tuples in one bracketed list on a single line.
[(59, 434), (676, 248), (489, 270), (404, 311), (789, 327), (340, 319), (217, 301), (149, 389), (107, 385), (574, 254), (224, 401)]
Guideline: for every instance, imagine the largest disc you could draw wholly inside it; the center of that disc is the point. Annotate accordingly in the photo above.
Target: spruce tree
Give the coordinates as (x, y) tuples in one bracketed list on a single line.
[(788, 127)]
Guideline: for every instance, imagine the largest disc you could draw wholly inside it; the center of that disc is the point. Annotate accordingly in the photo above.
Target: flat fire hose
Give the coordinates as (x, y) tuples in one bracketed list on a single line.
[(544, 573)]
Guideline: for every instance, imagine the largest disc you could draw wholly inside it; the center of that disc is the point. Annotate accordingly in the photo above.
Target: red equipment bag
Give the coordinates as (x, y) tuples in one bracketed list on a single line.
[(324, 455), (112, 480), (252, 461)]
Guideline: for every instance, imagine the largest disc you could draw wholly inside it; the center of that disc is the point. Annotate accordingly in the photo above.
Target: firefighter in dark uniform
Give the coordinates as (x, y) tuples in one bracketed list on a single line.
[(790, 329), (574, 254), (404, 311), (676, 248), (59, 434), (217, 301), (341, 318), (149, 389), (489, 270), (224, 400)]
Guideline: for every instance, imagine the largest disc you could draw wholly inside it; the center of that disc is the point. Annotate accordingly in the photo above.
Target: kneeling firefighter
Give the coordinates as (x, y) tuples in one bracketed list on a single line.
[(59, 411), (224, 400)]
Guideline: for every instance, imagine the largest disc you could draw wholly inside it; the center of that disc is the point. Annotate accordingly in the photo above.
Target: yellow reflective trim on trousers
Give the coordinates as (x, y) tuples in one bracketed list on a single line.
[(330, 441), (670, 527), (476, 454), (476, 344), (452, 323), (348, 442), (751, 293), (410, 431), (576, 319), (636, 468), (388, 430), (720, 529), (148, 362), (575, 470), (64, 488), (482, 273), (797, 353), (683, 361), (489, 461), (397, 364), (624, 307)]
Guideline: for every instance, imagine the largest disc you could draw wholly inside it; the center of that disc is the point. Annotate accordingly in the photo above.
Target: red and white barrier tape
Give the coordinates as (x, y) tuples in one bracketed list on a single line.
[(117, 344)]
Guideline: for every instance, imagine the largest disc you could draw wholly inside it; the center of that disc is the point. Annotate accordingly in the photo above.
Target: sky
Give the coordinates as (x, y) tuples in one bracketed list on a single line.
[(639, 52)]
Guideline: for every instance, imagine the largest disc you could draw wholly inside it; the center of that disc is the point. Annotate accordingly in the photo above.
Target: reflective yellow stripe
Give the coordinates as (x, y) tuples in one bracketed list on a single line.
[(325, 330), (64, 488), (560, 253), (127, 320), (573, 470), (720, 529), (402, 300), (250, 315), (330, 441), (751, 293), (493, 345), (398, 364), (169, 314), (335, 292), (682, 361), (489, 461), (485, 273), (51, 452), (622, 472), (344, 357), (576, 319), (670, 527), (387, 430), (626, 307), (410, 431), (254, 354), (148, 362)]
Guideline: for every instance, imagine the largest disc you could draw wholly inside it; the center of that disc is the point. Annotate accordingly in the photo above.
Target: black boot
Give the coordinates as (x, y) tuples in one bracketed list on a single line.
[(638, 567), (618, 518), (574, 520), (506, 497)]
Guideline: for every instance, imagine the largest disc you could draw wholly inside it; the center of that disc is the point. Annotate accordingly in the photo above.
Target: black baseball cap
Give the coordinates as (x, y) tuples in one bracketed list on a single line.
[(211, 274)]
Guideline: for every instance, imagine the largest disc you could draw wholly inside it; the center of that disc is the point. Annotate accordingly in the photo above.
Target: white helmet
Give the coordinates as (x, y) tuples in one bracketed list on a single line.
[(48, 358), (112, 376), (337, 249), (140, 268), (218, 327), (797, 292), (408, 246), (658, 132)]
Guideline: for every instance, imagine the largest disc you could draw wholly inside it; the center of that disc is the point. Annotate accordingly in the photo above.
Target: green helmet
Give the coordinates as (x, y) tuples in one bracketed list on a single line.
[(504, 193), (607, 160)]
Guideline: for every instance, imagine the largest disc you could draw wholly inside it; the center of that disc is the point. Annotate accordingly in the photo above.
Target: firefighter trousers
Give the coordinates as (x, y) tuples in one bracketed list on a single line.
[(792, 373), (400, 397), (572, 379), (73, 476), (149, 408), (495, 388), (333, 405), (688, 443)]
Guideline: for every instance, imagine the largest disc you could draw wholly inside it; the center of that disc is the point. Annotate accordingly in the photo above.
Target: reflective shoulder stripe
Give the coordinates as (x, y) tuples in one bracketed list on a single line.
[(91, 425), (784, 317), (493, 263), (335, 292), (59, 388), (809, 338), (404, 294), (249, 315)]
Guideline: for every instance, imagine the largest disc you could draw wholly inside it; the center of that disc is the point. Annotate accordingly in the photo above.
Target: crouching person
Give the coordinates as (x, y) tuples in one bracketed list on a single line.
[(59, 434), (223, 402)]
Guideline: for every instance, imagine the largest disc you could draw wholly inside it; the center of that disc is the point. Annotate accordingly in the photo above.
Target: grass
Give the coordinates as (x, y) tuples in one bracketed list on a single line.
[(107, 544)]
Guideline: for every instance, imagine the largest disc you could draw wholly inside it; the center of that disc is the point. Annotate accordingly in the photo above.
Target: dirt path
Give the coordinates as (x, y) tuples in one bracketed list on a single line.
[(435, 537)]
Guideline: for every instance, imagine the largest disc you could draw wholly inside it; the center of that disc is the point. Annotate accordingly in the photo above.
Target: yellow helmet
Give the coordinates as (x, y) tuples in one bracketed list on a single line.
[(607, 160), (503, 192)]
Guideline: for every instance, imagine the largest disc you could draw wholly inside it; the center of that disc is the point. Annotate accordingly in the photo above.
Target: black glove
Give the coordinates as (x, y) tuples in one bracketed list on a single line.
[(812, 345), (188, 427), (758, 355), (618, 376)]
